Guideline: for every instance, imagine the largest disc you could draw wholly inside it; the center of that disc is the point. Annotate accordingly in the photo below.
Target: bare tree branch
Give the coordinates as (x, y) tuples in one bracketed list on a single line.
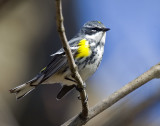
[(152, 73), (72, 65)]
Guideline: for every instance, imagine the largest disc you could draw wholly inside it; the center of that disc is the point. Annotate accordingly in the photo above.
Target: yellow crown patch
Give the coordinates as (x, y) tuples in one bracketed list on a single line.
[(83, 49)]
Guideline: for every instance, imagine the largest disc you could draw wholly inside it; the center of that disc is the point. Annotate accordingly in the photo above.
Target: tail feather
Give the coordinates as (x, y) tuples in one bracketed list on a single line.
[(65, 89), (25, 88), (22, 90)]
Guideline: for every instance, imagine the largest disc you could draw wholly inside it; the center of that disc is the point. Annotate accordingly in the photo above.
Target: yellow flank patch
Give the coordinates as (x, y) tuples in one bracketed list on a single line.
[(83, 49), (99, 22)]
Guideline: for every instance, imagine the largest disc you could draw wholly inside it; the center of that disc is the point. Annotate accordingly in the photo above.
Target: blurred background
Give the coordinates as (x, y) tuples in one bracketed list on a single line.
[(28, 36)]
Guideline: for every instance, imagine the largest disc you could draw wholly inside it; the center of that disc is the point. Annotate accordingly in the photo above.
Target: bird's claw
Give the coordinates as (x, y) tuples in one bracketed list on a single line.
[(86, 98), (80, 89)]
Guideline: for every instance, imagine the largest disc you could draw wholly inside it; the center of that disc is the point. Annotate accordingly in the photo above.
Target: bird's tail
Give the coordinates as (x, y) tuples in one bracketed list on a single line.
[(25, 88)]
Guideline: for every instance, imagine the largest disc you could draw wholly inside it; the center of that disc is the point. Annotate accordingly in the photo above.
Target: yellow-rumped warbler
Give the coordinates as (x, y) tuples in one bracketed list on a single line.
[(87, 48)]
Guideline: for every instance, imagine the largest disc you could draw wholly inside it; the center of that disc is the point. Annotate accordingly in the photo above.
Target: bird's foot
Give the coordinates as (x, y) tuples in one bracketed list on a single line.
[(86, 98), (80, 89)]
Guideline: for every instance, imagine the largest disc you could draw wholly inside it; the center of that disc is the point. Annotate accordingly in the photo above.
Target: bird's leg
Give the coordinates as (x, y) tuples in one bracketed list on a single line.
[(86, 99)]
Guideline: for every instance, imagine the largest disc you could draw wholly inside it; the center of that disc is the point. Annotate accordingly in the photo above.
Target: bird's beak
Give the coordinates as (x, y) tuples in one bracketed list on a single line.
[(106, 29)]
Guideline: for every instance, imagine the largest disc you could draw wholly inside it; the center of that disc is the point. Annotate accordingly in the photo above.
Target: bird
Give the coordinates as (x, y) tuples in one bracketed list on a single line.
[(87, 48)]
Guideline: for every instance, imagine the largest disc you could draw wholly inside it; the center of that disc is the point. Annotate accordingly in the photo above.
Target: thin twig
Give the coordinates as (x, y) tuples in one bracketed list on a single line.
[(72, 65), (152, 73)]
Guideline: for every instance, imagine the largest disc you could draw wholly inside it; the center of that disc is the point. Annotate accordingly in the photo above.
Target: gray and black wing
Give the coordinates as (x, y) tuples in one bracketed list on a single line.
[(58, 61)]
